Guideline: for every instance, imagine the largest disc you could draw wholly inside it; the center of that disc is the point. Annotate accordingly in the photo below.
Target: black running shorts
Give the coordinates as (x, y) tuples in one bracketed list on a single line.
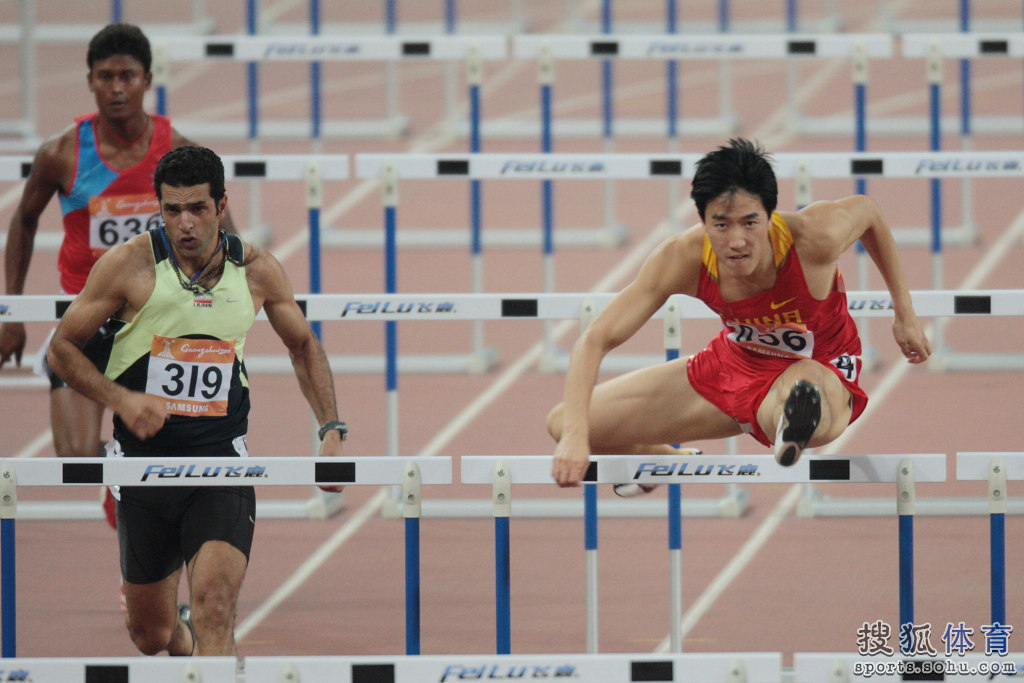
[(161, 528)]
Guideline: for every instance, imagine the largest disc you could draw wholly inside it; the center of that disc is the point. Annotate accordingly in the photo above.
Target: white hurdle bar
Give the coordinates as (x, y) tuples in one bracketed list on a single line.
[(799, 165), (173, 471), (531, 305), (724, 667), (390, 49), (747, 667), (121, 669), (711, 469), (722, 48), (183, 471), (504, 471), (547, 306), (410, 475), (249, 167), (967, 45)]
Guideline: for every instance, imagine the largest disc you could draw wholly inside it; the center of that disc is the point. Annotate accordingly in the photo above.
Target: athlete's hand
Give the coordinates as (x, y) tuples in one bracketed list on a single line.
[(570, 463), (144, 415), (331, 448), (12, 342), (910, 337)]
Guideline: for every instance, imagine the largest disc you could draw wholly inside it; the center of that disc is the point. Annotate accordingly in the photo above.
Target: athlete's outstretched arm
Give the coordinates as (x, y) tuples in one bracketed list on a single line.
[(42, 183), (307, 354), (871, 228), (670, 269)]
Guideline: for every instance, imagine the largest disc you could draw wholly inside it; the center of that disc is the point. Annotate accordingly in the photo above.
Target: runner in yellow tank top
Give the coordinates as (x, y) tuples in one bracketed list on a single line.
[(185, 296)]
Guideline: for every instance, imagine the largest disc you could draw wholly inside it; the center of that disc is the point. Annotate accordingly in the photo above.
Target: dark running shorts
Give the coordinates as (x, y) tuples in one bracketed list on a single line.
[(161, 528)]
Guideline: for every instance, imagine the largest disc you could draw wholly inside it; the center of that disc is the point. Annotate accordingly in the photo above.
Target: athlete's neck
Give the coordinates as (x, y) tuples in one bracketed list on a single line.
[(125, 134)]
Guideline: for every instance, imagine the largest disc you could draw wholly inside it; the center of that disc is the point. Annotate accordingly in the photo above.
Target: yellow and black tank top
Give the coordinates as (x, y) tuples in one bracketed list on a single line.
[(188, 349)]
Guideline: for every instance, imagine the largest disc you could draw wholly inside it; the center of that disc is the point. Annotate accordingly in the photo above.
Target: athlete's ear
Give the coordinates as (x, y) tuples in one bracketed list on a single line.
[(222, 206)]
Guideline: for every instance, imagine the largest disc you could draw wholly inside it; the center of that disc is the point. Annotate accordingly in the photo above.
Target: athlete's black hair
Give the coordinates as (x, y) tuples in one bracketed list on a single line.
[(190, 165), (740, 165), (120, 39)]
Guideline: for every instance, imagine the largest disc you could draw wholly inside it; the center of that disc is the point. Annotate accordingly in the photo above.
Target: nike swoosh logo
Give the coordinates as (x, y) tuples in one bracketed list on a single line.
[(780, 305), (232, 301)]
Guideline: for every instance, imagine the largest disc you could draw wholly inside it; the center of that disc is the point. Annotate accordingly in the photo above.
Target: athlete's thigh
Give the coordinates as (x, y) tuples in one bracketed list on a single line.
[(152, 605), (149, 533), (217, 571), (653, 405), (219, 513)]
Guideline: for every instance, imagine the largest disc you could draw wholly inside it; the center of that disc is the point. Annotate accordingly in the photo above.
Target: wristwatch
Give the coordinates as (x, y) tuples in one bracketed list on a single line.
[(333, 424)]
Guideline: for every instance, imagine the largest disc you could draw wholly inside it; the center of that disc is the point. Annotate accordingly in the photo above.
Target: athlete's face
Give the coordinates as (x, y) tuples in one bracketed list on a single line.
[(192, 219), (737, 227), (119, 84)]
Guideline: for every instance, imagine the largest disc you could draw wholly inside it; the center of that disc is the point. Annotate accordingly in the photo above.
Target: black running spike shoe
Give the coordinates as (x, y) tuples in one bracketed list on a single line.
[(800, 417)]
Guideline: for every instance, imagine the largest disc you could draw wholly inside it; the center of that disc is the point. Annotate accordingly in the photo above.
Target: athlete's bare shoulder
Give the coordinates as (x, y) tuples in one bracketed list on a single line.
[(819, 230), (55, 160), (674, 265)]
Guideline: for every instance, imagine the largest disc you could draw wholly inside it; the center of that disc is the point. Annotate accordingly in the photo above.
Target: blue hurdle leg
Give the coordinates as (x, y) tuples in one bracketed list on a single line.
[(590, 544), (502, 586), (8, 594), (905, 507), (412, 586)]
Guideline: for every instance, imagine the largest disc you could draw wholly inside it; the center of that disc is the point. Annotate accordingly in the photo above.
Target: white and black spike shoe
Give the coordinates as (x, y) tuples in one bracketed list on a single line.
[(800, 417)]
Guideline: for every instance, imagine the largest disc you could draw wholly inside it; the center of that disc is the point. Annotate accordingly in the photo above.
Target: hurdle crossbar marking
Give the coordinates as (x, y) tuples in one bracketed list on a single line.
[(277, 471), (712, 469), (131, 669), (334, 48), (689, 47), (598, 166), (963, 45)]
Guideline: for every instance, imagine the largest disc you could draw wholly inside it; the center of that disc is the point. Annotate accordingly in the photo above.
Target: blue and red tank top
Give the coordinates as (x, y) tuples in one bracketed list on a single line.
[(105, 206)]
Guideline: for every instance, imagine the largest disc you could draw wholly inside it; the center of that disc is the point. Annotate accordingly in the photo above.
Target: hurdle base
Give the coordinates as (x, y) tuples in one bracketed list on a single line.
[(469, 363), (607, 236), (386, 127), (820, 505), (732, 505)]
